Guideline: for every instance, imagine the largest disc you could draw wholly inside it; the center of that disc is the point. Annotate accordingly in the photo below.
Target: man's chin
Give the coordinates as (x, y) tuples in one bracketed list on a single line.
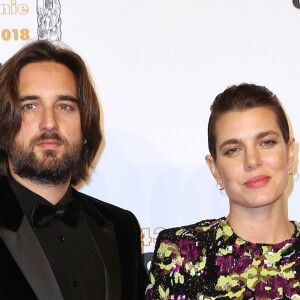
[(48, 154), (45, 165)]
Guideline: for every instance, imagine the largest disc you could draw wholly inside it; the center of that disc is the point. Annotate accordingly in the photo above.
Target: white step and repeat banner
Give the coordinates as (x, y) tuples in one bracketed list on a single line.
[(157, 66)]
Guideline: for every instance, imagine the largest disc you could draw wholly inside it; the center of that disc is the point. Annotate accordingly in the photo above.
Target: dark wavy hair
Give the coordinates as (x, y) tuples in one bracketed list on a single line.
[(10, 109), (242, 97)]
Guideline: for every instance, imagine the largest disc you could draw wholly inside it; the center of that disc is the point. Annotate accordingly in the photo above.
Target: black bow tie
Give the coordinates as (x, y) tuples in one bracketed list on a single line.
[(42, 214)]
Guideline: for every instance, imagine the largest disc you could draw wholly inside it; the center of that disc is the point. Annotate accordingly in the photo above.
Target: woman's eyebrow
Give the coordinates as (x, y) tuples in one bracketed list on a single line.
[(229, 142), (266, 133), (258, 136)]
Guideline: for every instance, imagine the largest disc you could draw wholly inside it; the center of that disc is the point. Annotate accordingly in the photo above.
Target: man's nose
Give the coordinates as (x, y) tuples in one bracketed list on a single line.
[(48, 120)]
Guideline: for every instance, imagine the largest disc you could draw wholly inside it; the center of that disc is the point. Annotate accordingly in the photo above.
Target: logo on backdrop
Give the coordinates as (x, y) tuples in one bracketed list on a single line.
[(13, 9), (148, 236), (296, 3), (49, 20)]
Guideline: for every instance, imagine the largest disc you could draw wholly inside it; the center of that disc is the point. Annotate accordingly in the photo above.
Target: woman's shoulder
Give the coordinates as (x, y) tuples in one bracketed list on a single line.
[(192, 231), (297, 225), (297, 230)]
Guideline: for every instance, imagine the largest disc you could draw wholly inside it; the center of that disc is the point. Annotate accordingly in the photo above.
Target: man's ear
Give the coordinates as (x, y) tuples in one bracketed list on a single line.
[(214, 170)]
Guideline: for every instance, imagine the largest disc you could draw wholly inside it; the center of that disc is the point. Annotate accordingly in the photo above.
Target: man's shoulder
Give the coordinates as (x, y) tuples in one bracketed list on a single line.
[(108, 210), (99, 203)]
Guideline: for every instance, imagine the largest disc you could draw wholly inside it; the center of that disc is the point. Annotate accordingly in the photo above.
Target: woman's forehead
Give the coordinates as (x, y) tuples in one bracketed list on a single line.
[(245, 123)]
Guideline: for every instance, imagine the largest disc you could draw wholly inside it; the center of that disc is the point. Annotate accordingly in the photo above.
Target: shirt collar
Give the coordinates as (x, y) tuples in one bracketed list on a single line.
[(28, 198)]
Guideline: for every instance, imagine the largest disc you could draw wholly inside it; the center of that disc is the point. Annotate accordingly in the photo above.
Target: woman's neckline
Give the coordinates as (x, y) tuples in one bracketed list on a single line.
[(236, 236)]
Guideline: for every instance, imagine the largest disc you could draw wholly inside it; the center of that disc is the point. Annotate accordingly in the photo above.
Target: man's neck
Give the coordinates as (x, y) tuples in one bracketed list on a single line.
[(52, 193)]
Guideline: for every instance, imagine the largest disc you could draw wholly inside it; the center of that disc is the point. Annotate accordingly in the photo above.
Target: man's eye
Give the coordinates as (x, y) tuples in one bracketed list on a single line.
[(65, 107), (28, 106)]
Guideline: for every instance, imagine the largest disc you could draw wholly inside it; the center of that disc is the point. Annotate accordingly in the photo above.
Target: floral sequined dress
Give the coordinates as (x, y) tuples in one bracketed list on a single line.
[(208, 260)]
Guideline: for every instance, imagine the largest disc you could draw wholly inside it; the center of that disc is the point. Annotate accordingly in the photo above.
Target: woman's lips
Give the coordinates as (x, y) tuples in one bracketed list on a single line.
[(257, 181)]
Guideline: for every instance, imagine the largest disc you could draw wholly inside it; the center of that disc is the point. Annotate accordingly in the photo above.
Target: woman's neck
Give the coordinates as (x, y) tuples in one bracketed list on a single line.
[(261, 225)]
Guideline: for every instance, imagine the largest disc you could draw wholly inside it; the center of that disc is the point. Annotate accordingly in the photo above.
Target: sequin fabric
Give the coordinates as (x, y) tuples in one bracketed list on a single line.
[(208, 260)]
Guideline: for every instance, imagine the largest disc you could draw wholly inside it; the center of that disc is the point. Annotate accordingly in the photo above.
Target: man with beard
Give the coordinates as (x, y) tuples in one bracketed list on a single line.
[(55, 242)]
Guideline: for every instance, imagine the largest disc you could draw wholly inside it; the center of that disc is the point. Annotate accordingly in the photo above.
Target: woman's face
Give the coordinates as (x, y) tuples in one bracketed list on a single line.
[(253, 160)]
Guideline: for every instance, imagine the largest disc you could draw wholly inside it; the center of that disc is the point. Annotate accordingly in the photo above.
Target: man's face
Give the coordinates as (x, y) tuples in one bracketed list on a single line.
[(47, 148)]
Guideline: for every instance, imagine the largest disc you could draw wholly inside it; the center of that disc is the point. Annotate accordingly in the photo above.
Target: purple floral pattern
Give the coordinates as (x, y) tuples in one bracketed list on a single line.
[(208, 261)]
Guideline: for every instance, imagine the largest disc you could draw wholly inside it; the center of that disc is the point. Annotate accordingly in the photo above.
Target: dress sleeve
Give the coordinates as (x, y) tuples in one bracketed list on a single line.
[(166, 276), (178, 265), (157, 273)]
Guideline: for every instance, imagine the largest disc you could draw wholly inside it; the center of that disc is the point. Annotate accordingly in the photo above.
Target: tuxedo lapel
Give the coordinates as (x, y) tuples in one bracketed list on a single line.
[(23, 245), (105, 243), (32, 261), (104, 239)]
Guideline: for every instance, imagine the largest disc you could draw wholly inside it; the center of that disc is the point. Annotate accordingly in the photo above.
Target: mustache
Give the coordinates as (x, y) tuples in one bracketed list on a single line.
[(47, 135)]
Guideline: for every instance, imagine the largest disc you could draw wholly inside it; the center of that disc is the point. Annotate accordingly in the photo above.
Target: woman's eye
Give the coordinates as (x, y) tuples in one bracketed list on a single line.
[(231, 151), (268, 143)]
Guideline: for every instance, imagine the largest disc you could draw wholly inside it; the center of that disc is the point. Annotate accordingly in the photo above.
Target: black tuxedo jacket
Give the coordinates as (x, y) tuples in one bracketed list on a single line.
[(25, 272)]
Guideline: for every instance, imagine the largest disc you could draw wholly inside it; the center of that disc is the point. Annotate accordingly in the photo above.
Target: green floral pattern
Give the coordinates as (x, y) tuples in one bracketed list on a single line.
[(208, 261)]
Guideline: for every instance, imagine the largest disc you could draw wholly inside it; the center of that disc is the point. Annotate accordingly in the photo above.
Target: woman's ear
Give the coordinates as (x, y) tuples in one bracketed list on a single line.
[(290, 153), (214, 169)]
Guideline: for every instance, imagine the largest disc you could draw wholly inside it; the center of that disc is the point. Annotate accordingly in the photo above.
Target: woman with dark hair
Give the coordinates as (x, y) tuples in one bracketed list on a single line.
[(254, 252)]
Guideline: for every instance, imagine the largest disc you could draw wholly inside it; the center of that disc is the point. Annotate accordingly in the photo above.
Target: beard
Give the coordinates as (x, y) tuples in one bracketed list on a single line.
[(51, 168)]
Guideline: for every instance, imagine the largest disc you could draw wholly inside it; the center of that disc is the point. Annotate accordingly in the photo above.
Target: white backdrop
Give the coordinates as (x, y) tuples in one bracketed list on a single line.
[(157, 66)]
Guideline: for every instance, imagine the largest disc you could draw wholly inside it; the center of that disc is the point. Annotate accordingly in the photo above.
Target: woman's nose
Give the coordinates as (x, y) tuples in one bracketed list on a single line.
[(252, 159)]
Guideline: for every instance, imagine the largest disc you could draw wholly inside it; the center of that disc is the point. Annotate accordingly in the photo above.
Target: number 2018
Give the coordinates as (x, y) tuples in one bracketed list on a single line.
[(15, 34)]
